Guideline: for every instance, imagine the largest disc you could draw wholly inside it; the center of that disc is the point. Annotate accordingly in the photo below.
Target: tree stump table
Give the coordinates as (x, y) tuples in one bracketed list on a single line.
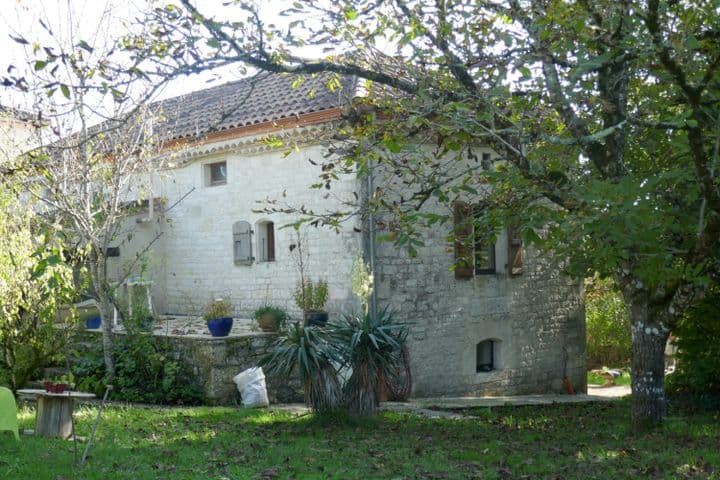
[(53, 417)]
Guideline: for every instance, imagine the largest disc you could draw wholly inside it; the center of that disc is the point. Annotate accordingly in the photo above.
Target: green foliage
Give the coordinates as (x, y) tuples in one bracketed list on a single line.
[(34, 284), (307, 351), (311, 296), (278, 314), (698, 355), (370, 347), (146, 368), (217, 308), (607, 325)]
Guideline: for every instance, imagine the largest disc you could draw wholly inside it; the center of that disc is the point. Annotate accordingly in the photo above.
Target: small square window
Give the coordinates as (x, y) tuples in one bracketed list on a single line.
[(216, 173)]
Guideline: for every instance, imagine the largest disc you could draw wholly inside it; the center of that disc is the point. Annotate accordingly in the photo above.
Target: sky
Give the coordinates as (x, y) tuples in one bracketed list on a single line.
[(95, 21)]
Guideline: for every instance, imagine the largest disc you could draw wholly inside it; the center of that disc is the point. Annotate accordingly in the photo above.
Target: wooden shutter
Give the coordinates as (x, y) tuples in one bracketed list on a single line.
[(242, 243), (463, 232), (515, 252)]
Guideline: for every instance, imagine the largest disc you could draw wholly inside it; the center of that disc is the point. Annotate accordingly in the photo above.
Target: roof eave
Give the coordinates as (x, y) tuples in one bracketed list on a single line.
[(312, 118)]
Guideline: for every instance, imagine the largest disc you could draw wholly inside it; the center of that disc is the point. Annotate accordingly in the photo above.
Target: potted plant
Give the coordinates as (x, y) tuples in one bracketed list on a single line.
[(59, 385), (270, 318), (311, 297), (218, 317)]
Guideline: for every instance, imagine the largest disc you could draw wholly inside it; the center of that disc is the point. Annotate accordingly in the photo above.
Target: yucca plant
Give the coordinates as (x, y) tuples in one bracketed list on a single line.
[(308, 350), (371, 346)]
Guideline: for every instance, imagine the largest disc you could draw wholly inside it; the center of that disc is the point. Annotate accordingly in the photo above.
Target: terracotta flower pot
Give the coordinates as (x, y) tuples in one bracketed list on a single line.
[(268, 322)]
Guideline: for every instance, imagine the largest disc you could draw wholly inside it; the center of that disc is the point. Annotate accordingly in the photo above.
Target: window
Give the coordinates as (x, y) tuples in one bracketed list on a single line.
[(486, 161), (266, 241), (516, 255), (216, 174), (112, 252), (483, 250), (485, 356), (474, 249)]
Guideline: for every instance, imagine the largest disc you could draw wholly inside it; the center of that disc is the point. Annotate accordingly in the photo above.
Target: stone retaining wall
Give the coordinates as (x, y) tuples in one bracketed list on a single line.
[(215, 361)]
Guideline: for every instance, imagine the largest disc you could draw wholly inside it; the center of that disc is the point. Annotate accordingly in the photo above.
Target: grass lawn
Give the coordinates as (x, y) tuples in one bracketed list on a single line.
[(554, 441), (596, 379)]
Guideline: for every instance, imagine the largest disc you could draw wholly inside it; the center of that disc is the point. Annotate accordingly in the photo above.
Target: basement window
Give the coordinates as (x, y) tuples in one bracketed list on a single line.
[(215, 174), (485, 356)]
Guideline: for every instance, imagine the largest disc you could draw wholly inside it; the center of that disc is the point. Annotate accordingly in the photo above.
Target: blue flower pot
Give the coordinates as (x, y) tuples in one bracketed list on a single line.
[(220, 327), (92, 322), (316, 319)]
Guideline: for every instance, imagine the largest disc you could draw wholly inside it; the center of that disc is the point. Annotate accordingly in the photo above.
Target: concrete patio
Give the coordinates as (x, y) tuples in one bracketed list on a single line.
[(195, 327)]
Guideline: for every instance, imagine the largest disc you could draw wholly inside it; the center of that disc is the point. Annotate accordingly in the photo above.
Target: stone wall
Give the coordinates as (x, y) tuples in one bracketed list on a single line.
[(535, 318), (193, 260), (215, 361)]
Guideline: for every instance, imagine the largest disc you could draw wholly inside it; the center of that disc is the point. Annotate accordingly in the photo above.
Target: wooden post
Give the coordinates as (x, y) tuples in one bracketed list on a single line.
[(54, 416)]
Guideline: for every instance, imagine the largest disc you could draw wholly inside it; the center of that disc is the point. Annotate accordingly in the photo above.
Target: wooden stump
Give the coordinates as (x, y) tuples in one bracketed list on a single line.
[(54, 416)]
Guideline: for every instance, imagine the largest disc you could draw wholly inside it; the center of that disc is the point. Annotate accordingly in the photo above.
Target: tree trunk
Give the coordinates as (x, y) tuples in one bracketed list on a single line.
[(649, 335), (105, 305), (106, 314)]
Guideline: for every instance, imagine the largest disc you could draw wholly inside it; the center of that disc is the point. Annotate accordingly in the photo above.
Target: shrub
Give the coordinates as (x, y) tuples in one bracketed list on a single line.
[(698, 355), (279, 315), (306, 349), (607, 324), (371, 346), (145, 368), (217, 308), (311, 297), (35, 283)]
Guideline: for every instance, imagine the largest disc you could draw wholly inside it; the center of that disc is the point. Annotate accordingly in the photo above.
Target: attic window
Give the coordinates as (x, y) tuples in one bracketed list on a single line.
[(216, 174), (485, 356)]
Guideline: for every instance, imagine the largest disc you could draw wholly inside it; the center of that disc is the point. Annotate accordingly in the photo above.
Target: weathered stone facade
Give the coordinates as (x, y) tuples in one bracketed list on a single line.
[(536, 319), (192, 262)]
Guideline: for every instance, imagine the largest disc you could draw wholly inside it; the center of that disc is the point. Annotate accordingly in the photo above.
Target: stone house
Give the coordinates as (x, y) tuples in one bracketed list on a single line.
[(508, 324), (17, 131)]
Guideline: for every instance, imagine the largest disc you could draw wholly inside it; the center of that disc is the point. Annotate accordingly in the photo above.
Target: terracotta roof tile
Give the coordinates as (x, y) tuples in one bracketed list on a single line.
[(263, 98)]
